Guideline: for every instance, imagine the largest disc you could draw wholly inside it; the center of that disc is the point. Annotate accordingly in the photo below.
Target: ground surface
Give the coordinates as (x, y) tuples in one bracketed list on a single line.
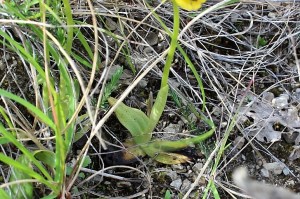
[(247, 56)]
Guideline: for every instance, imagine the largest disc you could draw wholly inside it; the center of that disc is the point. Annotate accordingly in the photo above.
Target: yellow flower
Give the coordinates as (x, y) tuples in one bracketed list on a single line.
[(190, 4)]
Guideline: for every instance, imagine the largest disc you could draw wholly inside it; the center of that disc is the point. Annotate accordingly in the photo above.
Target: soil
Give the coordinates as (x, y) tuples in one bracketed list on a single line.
[(243, 48)]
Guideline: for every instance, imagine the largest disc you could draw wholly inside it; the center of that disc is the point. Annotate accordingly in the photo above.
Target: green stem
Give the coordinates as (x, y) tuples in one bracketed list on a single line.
[(170, 146), (172, 49)]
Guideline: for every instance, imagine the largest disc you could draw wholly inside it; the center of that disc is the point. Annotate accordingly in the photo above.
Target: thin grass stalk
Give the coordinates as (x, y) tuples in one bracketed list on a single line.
[(70, 23)]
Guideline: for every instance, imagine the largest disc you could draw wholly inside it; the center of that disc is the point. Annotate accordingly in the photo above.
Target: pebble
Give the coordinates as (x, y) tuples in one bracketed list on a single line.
[(286, 171), (172, 174), (111, 25), (186, 184), (124, 184), (272, 15), (197, 167), (281, 101), (275, 167), (152, 38), (265, 173), (176, 184), (239, 142)]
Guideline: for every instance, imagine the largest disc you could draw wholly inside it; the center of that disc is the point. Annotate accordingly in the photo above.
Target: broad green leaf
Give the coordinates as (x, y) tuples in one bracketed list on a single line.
[(3, 194), (87, 160), (168, 195), (21, 190), (132, 150), (47, 157), (134, 120)]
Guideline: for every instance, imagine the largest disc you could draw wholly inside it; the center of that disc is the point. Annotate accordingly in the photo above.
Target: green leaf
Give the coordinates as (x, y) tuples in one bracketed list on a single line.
[(4, 140), (4, 195), (158, 149), (47, 157), (37, 112), (168, 195), (134, 120), (87, 160), (26, 152), (21, 190), (27, 170)]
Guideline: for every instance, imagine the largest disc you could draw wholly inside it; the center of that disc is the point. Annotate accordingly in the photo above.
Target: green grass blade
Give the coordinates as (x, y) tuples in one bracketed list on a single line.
[(37, 112), (70, 23), (19, 191), (24, 150), (27, 170)]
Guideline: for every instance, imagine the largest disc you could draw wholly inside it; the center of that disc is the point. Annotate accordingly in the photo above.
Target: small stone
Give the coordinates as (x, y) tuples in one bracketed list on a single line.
[(244, 157), (172, 174), (234, 17), (186, 184), (197, 167), (265, 173), (176, 184), (152, 38), (173, 128), (272, 15), (290, 182), (275, 167), (178, 168), (239, 142), (110, 24), (143, 83), (286, 171), (281, 101), (124, 184)]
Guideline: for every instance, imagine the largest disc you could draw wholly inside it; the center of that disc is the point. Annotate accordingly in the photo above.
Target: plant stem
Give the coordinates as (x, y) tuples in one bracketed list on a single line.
[(173, 45)]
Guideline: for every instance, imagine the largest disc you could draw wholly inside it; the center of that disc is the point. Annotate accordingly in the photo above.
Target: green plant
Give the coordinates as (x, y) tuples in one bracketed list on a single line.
[(141, 126), (168, 195), (59, 102)]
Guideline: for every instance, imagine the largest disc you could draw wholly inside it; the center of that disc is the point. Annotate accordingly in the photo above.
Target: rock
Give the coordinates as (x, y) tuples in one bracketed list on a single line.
[(272, 15), (152, 38), (286, 171), (239, 142), (186, 184), (124, 184), (260, 190), (281, 101), (110, 24), (176, 184), (143, 83), (265, 173), (197, 167), (172, 174), (274, 167), (173, 128)]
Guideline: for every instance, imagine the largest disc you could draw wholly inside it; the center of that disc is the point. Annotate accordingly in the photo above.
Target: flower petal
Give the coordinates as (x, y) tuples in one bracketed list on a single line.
[(190, 4)]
